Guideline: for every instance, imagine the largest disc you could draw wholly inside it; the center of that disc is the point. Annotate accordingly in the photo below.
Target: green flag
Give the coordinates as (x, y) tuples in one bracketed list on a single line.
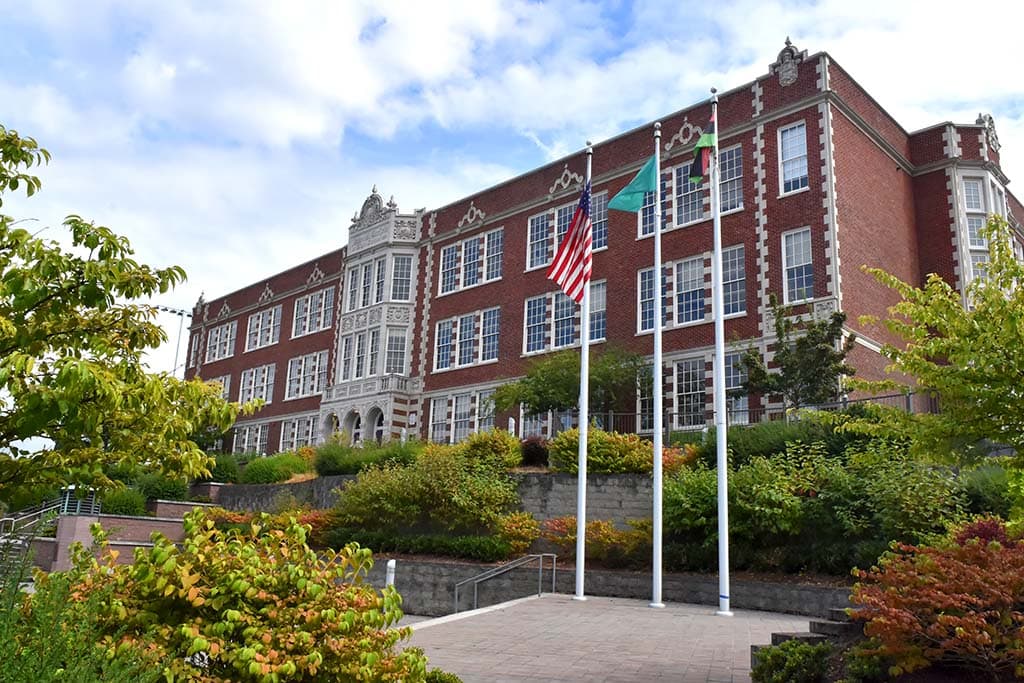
[(631, 197)]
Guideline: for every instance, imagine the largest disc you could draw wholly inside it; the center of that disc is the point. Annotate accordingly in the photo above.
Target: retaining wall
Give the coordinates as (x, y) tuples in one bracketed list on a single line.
[(317, 493)]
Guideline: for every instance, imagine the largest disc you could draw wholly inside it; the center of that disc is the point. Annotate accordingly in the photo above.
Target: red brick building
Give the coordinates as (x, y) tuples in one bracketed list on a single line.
[(435, 309)]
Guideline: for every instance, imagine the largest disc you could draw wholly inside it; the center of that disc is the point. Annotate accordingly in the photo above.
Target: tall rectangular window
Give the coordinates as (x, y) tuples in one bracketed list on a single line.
[(731, 183), (735, 377), (793, 157), (796, 259), (690, 290), (220, 342), (645, 399), (395, 358), (598, 310), (443, 347), (463, 416), (380, 266), (689, 197), (360, 354), (734, 279), (353, 289), (298, 432), (439, 420), (563, 218), (536, 323), (374, 351), (485, 410), (494, 247), (313, 312), (490, 327), (264, 328), (690, 392), (539, 238), (467, 339), (599, 219), (647, 211), (251, 438), (564, 321), (225, 386), (307, 374), (645, 296), (347, 344), (257, 383), (367, 283), (401, 278), (472, 261), (449, 268)]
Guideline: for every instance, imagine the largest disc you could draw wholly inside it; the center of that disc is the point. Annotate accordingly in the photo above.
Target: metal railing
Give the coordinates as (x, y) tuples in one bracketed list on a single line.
[(498, 571), (28, 518)]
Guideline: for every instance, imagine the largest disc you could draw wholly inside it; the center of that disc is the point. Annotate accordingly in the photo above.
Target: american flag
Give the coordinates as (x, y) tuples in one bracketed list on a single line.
[(574, 259)]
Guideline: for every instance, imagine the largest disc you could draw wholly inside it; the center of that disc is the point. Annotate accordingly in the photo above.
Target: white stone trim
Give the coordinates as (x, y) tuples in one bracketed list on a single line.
[(758, 102), (473, 215), (563, 181), (953, 198), (821, 68), (761, 227), (833, 272), (951, 143), (687, 131)]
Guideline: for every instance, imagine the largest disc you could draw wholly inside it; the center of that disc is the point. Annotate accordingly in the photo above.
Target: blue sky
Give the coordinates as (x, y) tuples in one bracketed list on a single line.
[(237, 138)]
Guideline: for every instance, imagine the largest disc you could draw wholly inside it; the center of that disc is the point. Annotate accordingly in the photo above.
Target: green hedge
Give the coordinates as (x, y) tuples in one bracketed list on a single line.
[(482, 548), (334, 458), (123, 501), (273, 469), (155, 485)]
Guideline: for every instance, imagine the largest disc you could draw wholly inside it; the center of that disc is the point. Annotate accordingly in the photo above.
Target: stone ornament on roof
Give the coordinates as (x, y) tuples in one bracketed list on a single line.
[(473, 214), (687, 132), (989, 123), (565, 179), (374, 210), (787, 66), (267, 294), (316, 276), (224, 311)]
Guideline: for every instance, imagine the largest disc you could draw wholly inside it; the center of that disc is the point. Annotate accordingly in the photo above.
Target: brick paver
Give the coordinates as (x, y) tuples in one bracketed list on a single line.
[(554, 638)]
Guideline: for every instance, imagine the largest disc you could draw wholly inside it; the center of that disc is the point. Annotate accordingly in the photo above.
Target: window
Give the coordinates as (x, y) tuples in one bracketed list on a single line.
[(647, 211), (731, 182), (346, 358), (646, 300), (221, 341), (485, 410), (371, 363), (536, 323), (645, 399), (793, 157), (471, 261), (378, 293), (972, 195), (367, 283), (401, 278), (449, 268), (257, 383), (394, 362), (539, 239), (495, 246), (689, 197), (599, 219), (298, 432), (975, 238), (796, 260), (225, 386), (194, 342), (735, 376), (353, 289), (307, 375), (690, 393), (443, 347), (979, 265), (439, 420), (563, 219), (734, 280), (462, 417), (264, 328), (976, 213), (251, 438), (360, 354), (564, 330), (467, 339), (598, 310), (313, 312), (690, 290), (489, 330)]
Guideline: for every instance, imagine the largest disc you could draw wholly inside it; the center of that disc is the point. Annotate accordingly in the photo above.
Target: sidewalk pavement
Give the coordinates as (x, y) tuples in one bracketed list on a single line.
[(554, 638)]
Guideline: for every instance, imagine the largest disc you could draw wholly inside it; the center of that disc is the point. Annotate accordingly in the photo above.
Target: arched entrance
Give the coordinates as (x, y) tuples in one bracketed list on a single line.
[(329, 428), (352, 424), (375, 421)]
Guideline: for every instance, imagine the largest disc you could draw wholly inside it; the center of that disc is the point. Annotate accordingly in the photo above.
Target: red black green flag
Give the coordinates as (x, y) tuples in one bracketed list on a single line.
[(702, 152)]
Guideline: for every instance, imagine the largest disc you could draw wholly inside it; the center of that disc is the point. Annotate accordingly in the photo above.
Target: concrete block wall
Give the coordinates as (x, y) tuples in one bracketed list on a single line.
[(618, 497)]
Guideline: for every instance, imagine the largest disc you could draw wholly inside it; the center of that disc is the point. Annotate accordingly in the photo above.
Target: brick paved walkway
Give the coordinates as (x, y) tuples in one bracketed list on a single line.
[(610, 640)]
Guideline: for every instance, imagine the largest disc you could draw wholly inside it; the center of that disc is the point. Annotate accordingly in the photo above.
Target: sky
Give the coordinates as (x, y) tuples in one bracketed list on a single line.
[(236, 139)]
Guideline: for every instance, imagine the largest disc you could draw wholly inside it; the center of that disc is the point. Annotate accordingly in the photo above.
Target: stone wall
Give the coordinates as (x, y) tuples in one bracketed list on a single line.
[(176, 509), (609, 496), (317, 493)]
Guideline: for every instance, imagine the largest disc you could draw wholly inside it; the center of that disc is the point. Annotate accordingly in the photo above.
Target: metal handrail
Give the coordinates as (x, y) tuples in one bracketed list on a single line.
[(498, 571), (12, 523)]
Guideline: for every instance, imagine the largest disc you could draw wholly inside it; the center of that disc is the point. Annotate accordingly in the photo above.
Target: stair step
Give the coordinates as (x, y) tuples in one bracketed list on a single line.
[(838, 614), (812, 638), (836, 628)]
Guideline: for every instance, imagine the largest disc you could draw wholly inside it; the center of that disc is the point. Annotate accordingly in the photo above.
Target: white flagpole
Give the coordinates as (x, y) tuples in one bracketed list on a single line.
[(659, 301), (584, 403), (721, 422)]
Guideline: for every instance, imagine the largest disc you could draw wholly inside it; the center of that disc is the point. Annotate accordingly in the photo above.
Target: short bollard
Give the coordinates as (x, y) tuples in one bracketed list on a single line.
[(389, 576)]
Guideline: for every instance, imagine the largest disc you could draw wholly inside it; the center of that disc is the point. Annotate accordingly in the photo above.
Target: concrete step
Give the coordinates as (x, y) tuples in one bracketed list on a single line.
[(838, 614), (812, 638), (836, 628)]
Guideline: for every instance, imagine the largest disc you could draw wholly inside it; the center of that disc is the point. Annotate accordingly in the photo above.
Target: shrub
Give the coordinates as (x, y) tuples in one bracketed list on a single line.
[(332, 458), (519, 530), (224, 594), (439, 676), (792, 662), (984, 530), (158, 486), (480, 548), (225, 469), (495, 446), (607, 452), (123, 501), (956, 604), (273, 469), (986, 490), (605, 544), (534, 451)]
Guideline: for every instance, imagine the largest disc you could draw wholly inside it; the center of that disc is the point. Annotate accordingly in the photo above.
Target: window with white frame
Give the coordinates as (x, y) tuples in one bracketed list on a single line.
[(462, 416), (443, 354), (193, 350), (367, 284), (494, 248), (689, 285), (564, 319), (539, 241), (551, 320), (257, 383), (734, 280), (251, 438), (264, 328), (374, 352), (645, 399), (646, 295), (730, 184), (347, 347), (793, 157), (401, 278), (449, 268), (536, 324), (534, 424), (647, 211), (598, 310), (313, 312), (797, 263), (467, 339), (599, 220), (220, 341), (307, 375), (298, 432), (380, 267), (691, 393), (225, 386), (394, 361), (360, 364), (979, 264), (439, 420), (490, 328), (735, 377), (976, 212), (472, 261), (485, 410), (689, 197), (563, 219), (353, 289)]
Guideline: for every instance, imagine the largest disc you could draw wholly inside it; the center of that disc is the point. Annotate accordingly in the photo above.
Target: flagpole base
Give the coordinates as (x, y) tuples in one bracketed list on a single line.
[(723, 613), (657, 605), (580, 598)]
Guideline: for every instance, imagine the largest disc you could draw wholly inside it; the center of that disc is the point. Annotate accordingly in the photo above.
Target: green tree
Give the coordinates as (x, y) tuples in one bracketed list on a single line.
[(553, 382), (967, 349), (75, 393), (810, 357)]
